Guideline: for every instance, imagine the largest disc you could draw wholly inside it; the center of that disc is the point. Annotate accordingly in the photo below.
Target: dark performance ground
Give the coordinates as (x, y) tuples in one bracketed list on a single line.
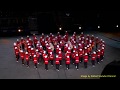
[(10, 69)]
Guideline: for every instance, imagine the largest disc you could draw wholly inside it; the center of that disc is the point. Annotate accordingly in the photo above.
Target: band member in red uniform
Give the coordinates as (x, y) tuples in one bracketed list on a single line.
[(66, 33), (81, 55), (57, 62), (35, 41), (35, 60), (17, 53), (77, 61), (22, 43), (97, 42), (92, 37), (22, 55), (60, 57), (51, 57), (93, 58), (98, 56), (43, 35), (38, 55), (68, 62), (46, 62), (34, 36), (32, 52), (85, 57), (27, 38), (102, 53), (27, 57), (73, 57)]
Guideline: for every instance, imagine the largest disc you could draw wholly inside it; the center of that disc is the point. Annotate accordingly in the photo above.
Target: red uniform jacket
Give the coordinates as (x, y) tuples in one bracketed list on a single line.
[(35, 59), (57, 50), (102, 52), (27, 57), (51, 57), (93, 56), (67, 61), (73, 55), (16, 51), (98, 54), (35, 41), (60, 56), (46, 62), (57, 62), (81, 53), (65, 48), (85, 57), (76, 59), (46, 58), (22, 54), (38, 54)]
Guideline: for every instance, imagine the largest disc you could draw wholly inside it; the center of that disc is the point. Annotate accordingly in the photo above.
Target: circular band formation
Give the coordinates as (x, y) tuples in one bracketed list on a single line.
[(57, 49)]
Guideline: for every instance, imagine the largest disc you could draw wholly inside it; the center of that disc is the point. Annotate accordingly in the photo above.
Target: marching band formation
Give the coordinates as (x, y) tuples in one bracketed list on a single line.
[(56, 49)]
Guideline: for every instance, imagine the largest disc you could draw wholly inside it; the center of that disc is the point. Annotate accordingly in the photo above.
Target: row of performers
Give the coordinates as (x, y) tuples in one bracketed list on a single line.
[(74, 58), (63, 42)]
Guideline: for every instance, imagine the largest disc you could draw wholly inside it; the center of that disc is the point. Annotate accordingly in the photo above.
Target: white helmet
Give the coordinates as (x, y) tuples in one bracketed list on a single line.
[(17, 39), (50, 52), (59, 51), (86, 54), (15, 47), (21, 37), (85, 47), (69, 48), (67, 56), (21, 50), (57, 46), (49, 48), (29, 46), (27, 36), (76, 54), (81, 49), (32, 48), (96, 37), (92, 35), (36, 50), (99, 50), (103, 48), (34, 55), (56, 56), (44, 52), (26, 53), (27, 41), (15, 44), (73, 50), (94, 52)]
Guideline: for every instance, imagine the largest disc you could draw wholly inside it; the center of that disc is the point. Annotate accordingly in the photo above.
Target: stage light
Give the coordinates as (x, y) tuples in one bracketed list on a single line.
[(60, 28), (19, 30), (116, 25), (98, 26), (79, 27)]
